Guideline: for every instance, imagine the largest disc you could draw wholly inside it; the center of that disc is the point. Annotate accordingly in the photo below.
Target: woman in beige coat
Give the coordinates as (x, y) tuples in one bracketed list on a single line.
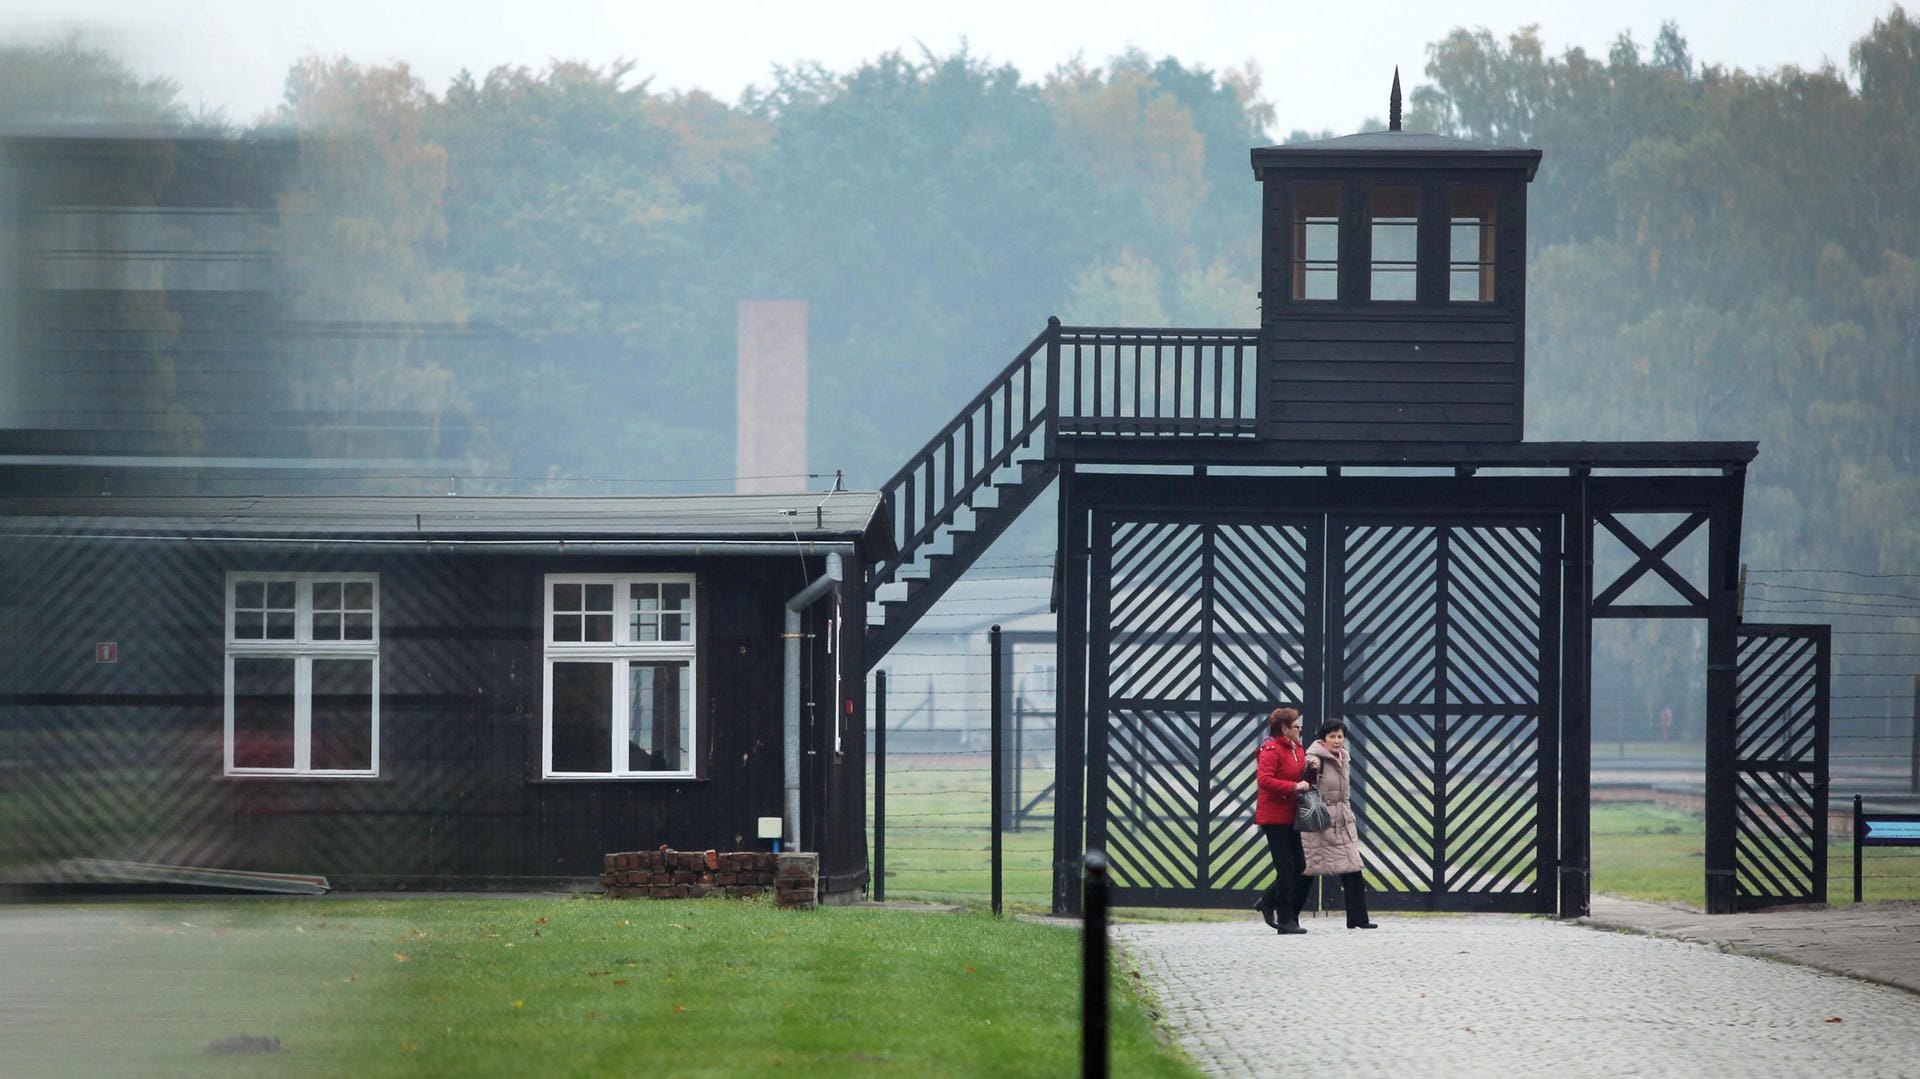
[(1335, 850)]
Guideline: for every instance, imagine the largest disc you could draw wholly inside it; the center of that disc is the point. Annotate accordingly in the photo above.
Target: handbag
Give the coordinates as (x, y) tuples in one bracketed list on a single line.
[(1311, 815)]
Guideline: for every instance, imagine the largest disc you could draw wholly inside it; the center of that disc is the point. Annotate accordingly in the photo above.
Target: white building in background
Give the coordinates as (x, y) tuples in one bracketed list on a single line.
[(939, 675)]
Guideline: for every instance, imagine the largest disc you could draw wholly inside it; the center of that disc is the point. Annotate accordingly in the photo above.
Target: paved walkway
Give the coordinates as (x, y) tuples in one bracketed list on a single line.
[(1877, 942), (1505, 995)]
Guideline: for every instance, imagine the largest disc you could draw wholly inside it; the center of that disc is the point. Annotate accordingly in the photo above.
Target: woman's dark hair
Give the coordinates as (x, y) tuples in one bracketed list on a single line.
[(1330, 726), (1279, 719)]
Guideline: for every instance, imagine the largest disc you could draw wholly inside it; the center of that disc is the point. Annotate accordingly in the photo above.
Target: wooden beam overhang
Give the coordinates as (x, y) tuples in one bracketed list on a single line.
[(1533, 494), (1202, 450)]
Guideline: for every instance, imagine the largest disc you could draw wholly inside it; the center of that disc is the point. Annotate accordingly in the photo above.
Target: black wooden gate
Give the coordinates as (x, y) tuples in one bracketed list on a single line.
[(1436, 639), (1446, 667), (1781, 718), (1203, 628)]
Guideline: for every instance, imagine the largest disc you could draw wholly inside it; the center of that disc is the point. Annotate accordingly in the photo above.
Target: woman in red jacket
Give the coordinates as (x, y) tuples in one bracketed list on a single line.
[(1281, 771)]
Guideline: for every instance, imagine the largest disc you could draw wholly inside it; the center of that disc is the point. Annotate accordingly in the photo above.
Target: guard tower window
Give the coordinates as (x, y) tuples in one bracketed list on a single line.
[(1316, 242), (1393, 214), (1470, 245)]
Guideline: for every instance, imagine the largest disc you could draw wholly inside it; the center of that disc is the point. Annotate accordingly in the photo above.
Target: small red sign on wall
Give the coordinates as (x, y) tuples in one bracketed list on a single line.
[(106, 652)]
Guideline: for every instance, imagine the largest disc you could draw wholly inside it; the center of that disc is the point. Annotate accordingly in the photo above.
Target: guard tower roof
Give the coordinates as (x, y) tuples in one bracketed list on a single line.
[(1394, 149)]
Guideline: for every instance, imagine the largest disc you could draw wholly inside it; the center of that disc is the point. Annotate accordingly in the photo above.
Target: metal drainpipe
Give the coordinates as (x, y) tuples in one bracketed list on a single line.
[(790, 692)]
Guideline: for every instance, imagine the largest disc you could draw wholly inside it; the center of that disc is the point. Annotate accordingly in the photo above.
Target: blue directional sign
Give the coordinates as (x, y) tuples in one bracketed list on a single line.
[(1893, 830), (1889, 830)]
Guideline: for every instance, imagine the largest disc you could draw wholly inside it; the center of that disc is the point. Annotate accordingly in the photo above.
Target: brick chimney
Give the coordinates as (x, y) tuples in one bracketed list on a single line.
[(770, 440)]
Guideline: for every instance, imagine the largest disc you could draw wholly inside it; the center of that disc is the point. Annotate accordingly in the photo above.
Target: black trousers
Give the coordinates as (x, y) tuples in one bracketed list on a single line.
[(1354, 890), (1289, 890)]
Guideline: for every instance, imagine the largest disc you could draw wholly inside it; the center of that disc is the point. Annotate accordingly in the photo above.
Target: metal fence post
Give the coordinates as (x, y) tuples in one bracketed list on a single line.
[(1017, 797), (1093, 968), (996, 734), (879, 786)]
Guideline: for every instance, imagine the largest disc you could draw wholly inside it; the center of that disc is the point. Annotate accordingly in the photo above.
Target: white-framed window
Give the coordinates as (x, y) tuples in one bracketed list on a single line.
[(617, 696), (303, 674)]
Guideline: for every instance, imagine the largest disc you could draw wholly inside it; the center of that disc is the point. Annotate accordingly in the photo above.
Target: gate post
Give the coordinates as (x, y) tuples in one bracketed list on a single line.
[(1070, 697), (1723, 655), (1576, 717)]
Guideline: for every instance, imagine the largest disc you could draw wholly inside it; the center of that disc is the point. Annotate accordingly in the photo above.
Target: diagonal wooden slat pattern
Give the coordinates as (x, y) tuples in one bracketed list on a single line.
[(1493, 818), (1391, 616), (1155, 649), (1259, 596), (1156, 611), (1774, 824), (1153, 777), (1206, 632), (1237, 853), (1493, 616), (1441, 636), (1780, 729), (1395, 791), (1444, 634), (1774, 699)]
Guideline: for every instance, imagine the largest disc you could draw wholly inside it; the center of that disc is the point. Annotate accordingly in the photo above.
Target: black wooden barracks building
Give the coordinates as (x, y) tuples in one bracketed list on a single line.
[(429, 692)]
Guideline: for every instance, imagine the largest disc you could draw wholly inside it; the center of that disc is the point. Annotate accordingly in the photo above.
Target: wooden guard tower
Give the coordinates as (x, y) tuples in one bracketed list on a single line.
[(1393, 289), (1339, 511)]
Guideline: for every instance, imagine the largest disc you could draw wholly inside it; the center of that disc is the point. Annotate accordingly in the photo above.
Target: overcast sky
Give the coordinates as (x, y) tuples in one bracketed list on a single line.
[(1326, 65)]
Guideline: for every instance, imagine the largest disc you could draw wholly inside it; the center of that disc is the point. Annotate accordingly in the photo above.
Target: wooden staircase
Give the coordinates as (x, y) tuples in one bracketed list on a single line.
[(973, 479)]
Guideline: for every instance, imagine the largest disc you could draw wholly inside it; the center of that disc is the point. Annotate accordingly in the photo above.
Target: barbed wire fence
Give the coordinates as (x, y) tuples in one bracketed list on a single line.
[(939, 782), (1874, 740), (1876, 662), (938, 778)]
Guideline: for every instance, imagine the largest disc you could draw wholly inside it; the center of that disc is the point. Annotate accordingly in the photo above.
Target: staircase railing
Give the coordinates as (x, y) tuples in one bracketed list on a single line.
[(1077, 381), (941, 479), (1160, 383)]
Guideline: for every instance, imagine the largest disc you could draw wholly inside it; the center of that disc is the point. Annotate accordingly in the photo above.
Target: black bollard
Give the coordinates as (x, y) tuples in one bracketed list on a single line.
[(996, 735), (879, 786), (1093, 969)]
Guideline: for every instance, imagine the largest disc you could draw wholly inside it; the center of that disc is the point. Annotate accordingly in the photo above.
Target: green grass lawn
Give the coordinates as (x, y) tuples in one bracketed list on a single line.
[(937, 850), (585, 986), (1641, 851)]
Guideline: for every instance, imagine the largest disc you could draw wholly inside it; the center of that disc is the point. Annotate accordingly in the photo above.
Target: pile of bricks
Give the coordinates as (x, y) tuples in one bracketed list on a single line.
[(796, 881), (676, 874)]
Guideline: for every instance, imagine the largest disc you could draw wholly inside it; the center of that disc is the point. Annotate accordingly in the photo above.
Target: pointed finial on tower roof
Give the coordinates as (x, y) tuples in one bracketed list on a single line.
[(1393, 103)]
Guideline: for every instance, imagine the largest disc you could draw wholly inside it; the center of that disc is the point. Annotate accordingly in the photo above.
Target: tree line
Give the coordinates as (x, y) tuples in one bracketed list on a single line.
[(1715, 253)]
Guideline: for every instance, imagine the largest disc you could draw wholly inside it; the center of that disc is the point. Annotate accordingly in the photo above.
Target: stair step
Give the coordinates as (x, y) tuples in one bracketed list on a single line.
[(962, 540), (923, 575)]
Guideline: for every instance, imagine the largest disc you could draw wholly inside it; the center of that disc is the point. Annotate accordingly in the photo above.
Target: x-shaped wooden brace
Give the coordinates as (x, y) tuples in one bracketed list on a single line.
[(1651, 558)]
